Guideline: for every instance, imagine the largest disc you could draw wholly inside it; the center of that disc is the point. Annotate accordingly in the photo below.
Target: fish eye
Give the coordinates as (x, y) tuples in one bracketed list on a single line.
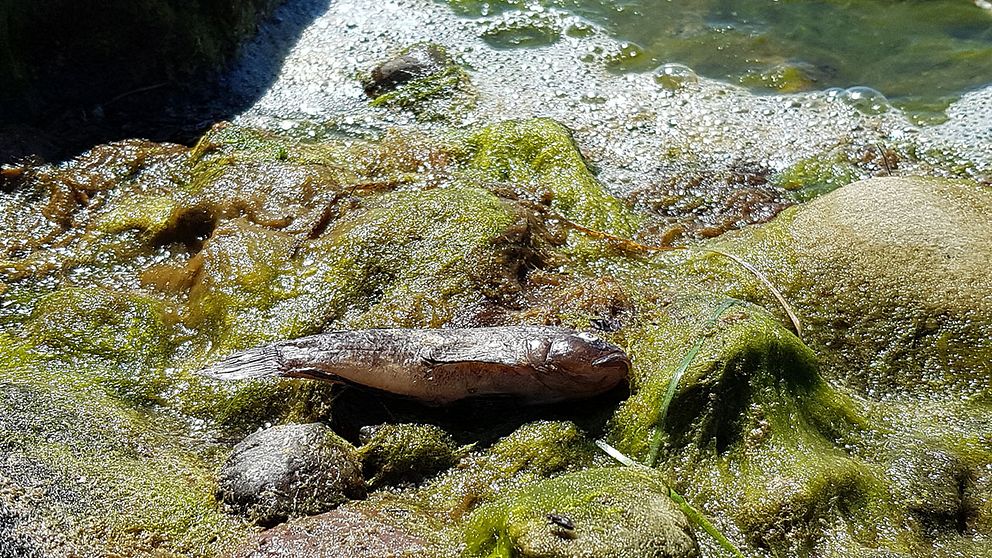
[(592, 340)]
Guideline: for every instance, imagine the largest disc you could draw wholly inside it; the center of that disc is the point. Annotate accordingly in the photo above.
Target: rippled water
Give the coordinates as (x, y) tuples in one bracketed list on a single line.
[(920, 53)]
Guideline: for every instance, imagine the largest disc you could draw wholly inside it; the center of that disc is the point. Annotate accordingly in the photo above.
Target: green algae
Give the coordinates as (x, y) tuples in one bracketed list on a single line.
[(865, 318), (784, 78), (114, 339), (209, 271), (815, 176), (403, 453), (439, 510), (608, 512), (105, 461), (540, 156), (751, 424)]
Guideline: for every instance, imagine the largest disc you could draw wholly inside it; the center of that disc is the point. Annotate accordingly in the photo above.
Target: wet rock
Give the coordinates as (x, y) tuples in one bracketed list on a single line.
[(891, 277), (595, 513), (13, 542), (405, 453), (291, 470), (418, 61), (930, 483), (424, 80), (342, 533)]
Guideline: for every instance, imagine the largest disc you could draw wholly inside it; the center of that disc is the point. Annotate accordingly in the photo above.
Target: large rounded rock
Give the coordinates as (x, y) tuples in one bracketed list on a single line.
[(891, 277), (291, 470)]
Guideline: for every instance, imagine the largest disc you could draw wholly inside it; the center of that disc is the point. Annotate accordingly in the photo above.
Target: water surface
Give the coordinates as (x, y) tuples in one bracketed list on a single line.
[(919, 53)]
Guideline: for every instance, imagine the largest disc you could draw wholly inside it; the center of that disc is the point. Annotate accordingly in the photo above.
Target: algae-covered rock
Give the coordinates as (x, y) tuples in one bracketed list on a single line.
[(595, 513), (415, 62), (868, 435), (891, 278), (398, 453), (423, 78), (540, 157), (97, 328), (732, 404), (153, 266), (103, 475), (289, 471)]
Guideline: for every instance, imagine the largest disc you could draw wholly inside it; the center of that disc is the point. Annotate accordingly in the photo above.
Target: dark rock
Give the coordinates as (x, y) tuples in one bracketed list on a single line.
[(343, 533), (291, 470), (62, 54), (13, 543), (418, 61)]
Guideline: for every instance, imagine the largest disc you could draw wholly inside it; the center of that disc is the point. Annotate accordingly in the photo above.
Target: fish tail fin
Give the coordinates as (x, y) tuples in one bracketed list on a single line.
[(259, 362)]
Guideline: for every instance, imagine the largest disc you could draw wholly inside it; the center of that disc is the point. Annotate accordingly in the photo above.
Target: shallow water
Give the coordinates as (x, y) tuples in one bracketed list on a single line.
[(919, 53), (633, 129)]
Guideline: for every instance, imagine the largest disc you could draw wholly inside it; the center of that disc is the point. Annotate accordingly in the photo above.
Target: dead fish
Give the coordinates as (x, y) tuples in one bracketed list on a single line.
[(538, 364)]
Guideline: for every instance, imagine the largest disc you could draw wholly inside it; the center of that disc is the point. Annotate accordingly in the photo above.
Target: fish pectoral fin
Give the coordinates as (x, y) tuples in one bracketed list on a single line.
[(315, 374), (430, 361)]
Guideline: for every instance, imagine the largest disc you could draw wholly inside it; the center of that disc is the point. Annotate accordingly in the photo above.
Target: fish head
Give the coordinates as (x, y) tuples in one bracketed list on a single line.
[(585, 362)]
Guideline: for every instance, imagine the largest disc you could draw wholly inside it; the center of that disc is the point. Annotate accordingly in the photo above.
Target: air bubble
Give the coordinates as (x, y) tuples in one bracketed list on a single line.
[(674, 76), (865, 100)]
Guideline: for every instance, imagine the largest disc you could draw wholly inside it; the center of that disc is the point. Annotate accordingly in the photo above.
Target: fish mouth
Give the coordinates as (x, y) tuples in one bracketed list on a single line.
[(612, 359)]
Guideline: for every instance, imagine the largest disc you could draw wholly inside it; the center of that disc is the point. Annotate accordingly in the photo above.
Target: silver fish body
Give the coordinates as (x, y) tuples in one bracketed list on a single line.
[(538, 364)]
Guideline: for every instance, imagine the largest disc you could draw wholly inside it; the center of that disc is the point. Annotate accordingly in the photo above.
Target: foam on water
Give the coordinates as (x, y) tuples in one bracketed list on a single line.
[(631, 127)]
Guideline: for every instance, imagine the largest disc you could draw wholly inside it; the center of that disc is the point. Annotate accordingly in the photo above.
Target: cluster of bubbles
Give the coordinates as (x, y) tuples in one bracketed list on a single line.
[(863, 99), (673, 76)]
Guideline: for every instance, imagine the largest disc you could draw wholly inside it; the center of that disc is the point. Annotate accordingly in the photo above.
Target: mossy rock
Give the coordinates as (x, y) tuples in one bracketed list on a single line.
[(889, 276), (116, 340), (720, 355), (815, 176), (405, 453), (794, 447), (111, 478), (541, 152), (595, 513), (437, 511), (424, 79)]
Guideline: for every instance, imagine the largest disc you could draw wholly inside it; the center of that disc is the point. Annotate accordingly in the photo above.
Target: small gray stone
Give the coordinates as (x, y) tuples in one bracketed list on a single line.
[(291, 470), (420, 60)]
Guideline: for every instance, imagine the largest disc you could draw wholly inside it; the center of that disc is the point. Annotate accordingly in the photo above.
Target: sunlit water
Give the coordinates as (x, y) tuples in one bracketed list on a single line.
[(918, 53), (635, 123)]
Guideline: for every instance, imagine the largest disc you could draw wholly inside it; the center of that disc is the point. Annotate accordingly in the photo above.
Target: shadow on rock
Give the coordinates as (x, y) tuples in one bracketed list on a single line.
[(105, 79)]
